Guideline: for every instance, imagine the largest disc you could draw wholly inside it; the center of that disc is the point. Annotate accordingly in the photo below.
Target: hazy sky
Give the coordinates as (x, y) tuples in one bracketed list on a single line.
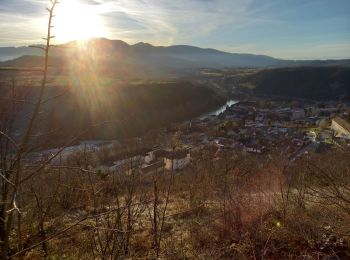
[(296, 29)]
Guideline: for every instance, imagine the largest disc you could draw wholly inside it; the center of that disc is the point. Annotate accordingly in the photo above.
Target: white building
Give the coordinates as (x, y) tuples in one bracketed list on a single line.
[(155, 155), (341, 128), (150, 156), (177, 160), (173, 160), (253, 149)]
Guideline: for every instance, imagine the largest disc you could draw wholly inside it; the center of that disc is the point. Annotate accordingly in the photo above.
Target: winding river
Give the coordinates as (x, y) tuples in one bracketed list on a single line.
[(219, 110)]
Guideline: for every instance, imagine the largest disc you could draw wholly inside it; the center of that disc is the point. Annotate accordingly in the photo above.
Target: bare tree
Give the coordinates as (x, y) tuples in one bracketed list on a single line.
[(12, 156)]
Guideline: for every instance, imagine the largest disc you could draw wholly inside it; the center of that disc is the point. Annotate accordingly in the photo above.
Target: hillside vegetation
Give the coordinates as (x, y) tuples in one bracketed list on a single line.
[(316, 83), (106, 109)]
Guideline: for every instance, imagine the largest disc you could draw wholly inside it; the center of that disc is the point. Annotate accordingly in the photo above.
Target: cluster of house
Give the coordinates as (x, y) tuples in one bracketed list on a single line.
[(250, 128)]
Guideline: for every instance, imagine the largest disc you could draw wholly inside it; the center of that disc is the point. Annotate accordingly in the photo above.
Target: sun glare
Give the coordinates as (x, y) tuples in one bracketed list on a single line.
[(77, 21)]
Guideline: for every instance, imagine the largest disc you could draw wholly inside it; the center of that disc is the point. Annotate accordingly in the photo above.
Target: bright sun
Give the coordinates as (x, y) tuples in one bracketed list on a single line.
[(77, 21)]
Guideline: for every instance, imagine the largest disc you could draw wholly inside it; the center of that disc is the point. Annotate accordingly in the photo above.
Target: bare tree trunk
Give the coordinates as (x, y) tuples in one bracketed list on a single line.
[(155, 216), (8, 214)]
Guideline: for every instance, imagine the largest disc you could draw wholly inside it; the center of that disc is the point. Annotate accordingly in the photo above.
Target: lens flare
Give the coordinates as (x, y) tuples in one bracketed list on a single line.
[(77, 21)]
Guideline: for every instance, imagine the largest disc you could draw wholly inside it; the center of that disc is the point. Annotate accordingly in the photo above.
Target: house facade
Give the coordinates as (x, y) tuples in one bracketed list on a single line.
[(341, 128), (177, 160), (173, 160)]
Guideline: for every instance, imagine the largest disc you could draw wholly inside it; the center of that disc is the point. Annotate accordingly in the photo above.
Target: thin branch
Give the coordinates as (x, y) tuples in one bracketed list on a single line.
[(10, 139), (38, 47), (55, 97), (7, 180), (17, 100), (106, 229)]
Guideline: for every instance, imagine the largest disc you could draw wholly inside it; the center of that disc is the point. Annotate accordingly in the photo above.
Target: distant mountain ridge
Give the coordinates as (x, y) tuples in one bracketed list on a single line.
[(153, 58)]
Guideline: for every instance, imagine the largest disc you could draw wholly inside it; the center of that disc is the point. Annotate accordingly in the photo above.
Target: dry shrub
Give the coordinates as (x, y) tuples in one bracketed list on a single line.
[(141, 243)]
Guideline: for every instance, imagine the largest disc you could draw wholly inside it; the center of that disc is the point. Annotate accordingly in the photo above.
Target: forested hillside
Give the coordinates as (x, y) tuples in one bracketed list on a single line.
[(116, 110), (317, 83)]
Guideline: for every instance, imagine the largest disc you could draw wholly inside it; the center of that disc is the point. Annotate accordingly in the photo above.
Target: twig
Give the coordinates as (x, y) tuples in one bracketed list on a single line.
[(10, 139)]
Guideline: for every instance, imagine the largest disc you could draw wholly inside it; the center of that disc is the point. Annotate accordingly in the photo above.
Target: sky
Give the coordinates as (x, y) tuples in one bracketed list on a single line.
[(289, 29)]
